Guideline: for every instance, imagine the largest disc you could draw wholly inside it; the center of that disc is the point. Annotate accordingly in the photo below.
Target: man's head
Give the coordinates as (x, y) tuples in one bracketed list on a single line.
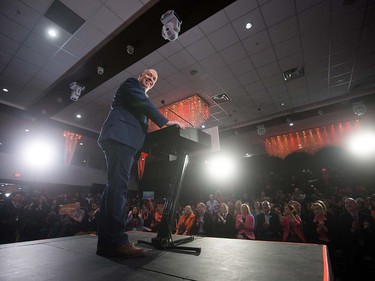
[(201, 208), (187, 210), (148, 79), (351, 205), (266, 206)]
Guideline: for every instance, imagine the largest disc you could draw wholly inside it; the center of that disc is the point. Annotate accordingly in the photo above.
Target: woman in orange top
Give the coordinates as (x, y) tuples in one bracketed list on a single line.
[(185, 222)]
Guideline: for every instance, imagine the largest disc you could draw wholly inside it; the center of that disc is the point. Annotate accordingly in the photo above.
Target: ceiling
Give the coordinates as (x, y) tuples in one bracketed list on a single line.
[(333, 40)]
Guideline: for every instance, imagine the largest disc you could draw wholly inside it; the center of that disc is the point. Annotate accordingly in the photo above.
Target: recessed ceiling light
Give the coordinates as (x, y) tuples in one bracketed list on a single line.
[(52, 32), (282, 104), (27, 130), (79, 116), (249, 25), (291, 124), (81, 143), (203, 126), (5, 90)]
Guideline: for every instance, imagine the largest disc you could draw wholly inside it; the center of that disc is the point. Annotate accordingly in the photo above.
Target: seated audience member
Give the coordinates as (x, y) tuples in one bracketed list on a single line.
[(237, 208), (268, 224), (291, 225), (211, 204), (257, 209), (134, 220), (203, 225), (224, 226), (356, 230), (158, 215), (372, 206), (185, 222), (147, 218), (245, 223)]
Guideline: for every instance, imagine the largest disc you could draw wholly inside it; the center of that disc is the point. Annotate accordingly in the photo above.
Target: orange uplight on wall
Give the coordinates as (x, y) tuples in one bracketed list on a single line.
[(194, 109), (310, 140)]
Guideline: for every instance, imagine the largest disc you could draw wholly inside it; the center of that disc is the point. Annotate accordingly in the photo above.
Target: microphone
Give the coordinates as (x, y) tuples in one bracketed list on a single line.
[(163, 103)]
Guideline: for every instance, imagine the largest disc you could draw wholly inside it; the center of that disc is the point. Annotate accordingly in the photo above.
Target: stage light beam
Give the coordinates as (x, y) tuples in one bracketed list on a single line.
[(362, 144), (39, 153), (221, 167)]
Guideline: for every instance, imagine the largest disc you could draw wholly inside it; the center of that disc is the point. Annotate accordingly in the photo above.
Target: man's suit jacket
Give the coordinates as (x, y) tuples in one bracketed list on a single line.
[(127, 121), (274, 227)]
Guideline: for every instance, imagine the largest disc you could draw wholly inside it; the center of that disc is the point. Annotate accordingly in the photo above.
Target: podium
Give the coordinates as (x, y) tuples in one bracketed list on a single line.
[(177, 142)]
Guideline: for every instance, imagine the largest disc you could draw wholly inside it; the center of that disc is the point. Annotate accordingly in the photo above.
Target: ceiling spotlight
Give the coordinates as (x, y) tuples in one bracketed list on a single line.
[(130, 49), (289, 121), (79, 116), (261, 130), (81, 143), (52, 32), (5, 90), (249, 25), (359, 108), (100, 70), (27, 130), (203, 126), (282, 104)]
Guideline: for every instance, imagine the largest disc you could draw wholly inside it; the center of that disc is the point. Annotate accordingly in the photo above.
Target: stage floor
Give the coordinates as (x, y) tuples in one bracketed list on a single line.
[(74, 258)]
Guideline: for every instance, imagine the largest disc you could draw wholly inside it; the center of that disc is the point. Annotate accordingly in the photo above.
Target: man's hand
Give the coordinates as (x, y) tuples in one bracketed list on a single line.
[(173, 122)]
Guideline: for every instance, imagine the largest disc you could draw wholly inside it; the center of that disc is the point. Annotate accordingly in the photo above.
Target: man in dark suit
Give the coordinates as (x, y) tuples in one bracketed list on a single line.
[(356, 231), (268, 226), (121, 137), (203, 225)]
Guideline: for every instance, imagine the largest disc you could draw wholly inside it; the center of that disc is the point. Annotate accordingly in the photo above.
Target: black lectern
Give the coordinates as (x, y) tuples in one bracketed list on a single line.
[(174, 141)]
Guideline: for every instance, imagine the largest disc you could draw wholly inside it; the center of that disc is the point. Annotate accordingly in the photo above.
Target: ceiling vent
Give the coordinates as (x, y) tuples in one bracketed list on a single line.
[(293, 73), (61, 15), (221, 98)]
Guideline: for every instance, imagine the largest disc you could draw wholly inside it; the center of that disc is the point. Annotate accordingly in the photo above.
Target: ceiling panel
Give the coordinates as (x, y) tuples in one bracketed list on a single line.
[(334, 43)]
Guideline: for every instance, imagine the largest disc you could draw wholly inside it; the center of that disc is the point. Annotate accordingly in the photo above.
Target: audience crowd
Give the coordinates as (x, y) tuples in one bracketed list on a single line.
[(319, 211)]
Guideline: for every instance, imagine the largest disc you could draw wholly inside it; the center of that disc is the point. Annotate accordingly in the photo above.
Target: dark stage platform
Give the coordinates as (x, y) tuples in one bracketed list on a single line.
[(74, 258)]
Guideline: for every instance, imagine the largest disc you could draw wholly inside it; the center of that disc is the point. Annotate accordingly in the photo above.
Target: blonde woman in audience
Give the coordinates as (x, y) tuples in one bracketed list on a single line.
[(237, 208), (319, 229), (245, 224)]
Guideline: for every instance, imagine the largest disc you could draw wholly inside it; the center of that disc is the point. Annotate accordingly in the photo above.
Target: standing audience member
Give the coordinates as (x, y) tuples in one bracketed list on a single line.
[(211, 204), (245, 224), (203, 225), (291, 225), (268, 226), (11, 217), (76, 219), (224, 226), (356, 230), (92, 217)]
